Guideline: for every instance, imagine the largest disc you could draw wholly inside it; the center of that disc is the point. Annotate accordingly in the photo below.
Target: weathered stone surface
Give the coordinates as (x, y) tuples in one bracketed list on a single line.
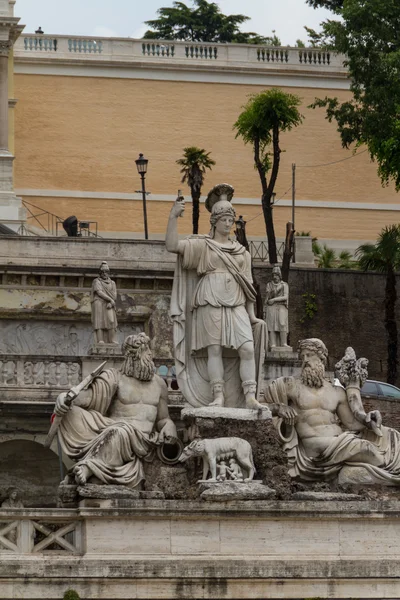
[(324, 496), (357, 476), (218, 412), (233, 490), (151, 495), (108, 492)]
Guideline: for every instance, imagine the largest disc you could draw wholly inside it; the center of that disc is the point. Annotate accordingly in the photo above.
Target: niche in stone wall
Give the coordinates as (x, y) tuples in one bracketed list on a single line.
[(32, 469)]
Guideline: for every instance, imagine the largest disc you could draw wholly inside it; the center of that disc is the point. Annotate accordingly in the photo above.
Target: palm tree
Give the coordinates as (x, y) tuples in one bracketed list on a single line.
[(384, 257), (326, 256), (345, 260), (194, 163)]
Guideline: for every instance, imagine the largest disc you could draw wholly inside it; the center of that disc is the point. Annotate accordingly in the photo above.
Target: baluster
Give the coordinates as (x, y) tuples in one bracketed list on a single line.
[(169, 379), (26, 43), (215, 52), (144, 49), (172, 51), (286, 56), (58, 373), (100, 47), (46, 375), (2, 373), (328, 58)]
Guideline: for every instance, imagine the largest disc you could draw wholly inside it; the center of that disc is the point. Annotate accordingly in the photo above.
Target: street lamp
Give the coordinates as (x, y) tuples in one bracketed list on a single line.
[(141, 164)]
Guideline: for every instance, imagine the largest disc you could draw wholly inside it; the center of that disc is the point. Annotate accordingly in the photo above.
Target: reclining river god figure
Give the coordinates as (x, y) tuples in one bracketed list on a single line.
[(219, 343), (118, 421), (331, 434)]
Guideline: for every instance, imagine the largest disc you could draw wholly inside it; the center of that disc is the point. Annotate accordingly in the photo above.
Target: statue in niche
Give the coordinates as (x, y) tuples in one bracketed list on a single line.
[(219, 343), (276, 310), (330, 434), (118, 421), (12, 500), (103, 300)]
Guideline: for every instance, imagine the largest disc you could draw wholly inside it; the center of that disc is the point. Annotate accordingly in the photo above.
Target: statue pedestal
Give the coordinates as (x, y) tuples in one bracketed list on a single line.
[(93, 360), (281, 362), (224, 491), (106, 349)]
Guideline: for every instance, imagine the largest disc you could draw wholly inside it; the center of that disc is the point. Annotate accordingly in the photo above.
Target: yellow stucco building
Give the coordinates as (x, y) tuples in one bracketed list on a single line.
[(87, 107)]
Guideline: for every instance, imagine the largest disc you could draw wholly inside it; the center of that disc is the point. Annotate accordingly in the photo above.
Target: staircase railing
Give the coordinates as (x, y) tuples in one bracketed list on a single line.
[(49, 223)]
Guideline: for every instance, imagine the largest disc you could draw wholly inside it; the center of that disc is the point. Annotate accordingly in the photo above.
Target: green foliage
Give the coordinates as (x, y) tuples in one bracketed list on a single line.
[(315, 39), (71, 595), (368, 34), (303, 233), (345, 260), (327, 258), (310, 307), (203, 23), (194, 163), (264, 114), (384, 257)]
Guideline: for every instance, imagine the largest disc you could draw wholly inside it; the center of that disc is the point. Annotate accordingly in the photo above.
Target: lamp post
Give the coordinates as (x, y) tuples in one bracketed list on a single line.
[(141, 164)]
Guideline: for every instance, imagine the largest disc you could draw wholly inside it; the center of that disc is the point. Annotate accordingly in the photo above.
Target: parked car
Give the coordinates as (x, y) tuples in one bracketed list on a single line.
[(379, 388), (376, 388)]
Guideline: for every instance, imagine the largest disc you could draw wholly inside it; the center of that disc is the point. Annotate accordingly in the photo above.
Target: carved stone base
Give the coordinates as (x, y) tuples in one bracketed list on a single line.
[(277, 350), (107, 349), (234, 490), (107, 492), (220, 412)]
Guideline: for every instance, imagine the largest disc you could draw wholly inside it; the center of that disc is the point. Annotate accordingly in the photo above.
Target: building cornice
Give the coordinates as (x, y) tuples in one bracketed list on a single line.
[(128, 58)]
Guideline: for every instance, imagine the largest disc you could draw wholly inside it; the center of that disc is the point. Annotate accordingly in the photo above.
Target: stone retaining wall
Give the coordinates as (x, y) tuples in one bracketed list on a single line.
[(190, 550)]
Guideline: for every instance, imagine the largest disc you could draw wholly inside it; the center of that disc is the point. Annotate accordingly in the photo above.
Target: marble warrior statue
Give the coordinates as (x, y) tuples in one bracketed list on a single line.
[(118, 421), (329, 433), (276, 310), (103, 299), (212, 308)]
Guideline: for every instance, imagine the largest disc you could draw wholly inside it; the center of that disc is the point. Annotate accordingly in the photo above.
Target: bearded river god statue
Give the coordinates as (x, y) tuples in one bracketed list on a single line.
[(331, 434), (118, 421), (219, 343)]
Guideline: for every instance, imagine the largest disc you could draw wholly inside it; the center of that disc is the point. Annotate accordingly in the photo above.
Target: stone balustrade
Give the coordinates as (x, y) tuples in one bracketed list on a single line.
[(131, 50), (18, 371), (37, 534)]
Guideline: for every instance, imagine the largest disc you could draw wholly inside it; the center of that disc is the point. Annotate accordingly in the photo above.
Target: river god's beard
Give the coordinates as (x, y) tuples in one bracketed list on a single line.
[(313, 377), (139, 365)]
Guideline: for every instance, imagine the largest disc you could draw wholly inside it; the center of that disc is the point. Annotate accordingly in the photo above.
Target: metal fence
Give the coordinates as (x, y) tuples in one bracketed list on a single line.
[(259, 251)]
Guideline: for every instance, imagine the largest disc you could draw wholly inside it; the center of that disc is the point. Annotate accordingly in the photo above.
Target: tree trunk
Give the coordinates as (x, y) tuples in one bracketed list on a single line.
[(288, 252), (391, 325), (195, 210), (269, 226)]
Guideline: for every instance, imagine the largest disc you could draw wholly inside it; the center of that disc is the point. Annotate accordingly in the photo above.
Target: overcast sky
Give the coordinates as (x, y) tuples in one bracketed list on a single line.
[(124, 18)]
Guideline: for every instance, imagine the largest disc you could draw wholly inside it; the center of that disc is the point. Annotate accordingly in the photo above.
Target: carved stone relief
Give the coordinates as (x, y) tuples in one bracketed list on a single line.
[(55, 339)]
